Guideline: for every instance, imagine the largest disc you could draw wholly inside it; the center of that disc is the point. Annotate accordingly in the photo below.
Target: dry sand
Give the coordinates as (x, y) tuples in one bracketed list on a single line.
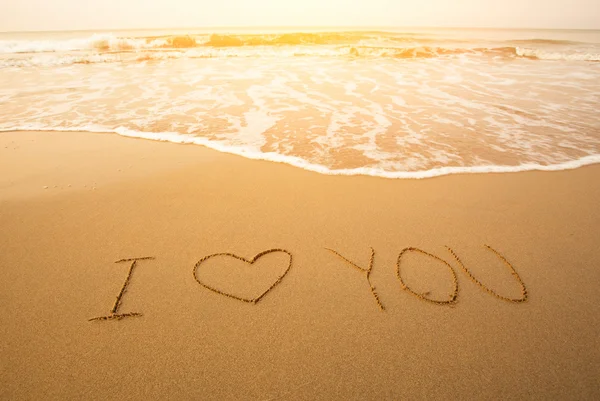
[(71, 204)]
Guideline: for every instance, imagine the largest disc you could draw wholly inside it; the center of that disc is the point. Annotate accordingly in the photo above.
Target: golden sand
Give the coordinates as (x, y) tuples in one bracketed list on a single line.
[(71, 204), (367, 272)]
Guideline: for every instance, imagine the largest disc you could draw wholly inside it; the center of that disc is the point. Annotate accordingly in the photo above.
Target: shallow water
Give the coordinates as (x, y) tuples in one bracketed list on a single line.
[(387, 103)]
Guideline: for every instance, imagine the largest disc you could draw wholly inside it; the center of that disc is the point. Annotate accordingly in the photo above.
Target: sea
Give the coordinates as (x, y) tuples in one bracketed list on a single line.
[(386, 102)]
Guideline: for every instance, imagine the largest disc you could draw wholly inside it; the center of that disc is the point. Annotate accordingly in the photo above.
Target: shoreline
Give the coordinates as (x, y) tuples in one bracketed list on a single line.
[(179, 139), (318, 333)]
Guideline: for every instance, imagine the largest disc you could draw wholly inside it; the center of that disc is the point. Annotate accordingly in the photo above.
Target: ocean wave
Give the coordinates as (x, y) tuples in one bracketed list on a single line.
[(420, 52), (109, 42), (329, 38), (365, 44), (350, 52), (54, 61), (111, 50), (545, 42), (100, 42), (295, 161), (545, 54)]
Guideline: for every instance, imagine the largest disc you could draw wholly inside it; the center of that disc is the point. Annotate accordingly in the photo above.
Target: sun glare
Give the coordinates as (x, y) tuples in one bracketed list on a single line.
[(134, 14)]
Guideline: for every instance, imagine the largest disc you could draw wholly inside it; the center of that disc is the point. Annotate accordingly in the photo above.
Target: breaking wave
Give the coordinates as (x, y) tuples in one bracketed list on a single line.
[(109, 42), (546, 42), (101, 42), (546, 54), (108, 48), (350, 52)]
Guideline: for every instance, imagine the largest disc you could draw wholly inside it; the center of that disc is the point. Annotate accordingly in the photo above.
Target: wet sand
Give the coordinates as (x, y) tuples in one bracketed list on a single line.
[(71, 204)]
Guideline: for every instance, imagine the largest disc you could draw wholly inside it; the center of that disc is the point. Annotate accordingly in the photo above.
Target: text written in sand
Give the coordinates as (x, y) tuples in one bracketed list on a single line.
[(114, 312), (450, 300)]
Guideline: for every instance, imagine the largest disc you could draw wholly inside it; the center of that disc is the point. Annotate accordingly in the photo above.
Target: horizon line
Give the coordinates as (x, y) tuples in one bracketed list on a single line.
[(288, 27)]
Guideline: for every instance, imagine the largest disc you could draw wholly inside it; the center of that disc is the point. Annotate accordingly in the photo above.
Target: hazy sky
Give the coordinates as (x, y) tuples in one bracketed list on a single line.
[(18, 15)]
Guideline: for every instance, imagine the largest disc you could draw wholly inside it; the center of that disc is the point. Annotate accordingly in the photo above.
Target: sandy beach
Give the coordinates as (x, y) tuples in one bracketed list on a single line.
[(71, 204)]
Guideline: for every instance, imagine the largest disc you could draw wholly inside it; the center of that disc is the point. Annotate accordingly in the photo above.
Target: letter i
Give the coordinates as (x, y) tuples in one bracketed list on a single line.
[(114, 311)]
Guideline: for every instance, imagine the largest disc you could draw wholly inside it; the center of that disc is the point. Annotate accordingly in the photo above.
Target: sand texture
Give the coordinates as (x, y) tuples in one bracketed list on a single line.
[(261, 281)]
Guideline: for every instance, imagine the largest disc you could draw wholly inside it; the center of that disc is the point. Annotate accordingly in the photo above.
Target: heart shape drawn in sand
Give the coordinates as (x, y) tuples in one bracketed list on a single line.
[(250, 262)]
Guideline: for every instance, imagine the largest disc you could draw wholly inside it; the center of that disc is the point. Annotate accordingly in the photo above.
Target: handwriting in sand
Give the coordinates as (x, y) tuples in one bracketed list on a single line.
[(114, 312), (451, 299)]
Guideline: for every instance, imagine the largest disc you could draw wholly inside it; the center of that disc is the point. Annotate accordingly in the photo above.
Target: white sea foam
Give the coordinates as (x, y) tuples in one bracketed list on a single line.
[(131, 51), (53, 61), (94, 42), (370, 115), (546, 54), (174, 137)]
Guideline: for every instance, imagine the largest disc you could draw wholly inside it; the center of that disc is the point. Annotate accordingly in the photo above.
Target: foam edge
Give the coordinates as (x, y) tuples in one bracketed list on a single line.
[(173, 137)]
